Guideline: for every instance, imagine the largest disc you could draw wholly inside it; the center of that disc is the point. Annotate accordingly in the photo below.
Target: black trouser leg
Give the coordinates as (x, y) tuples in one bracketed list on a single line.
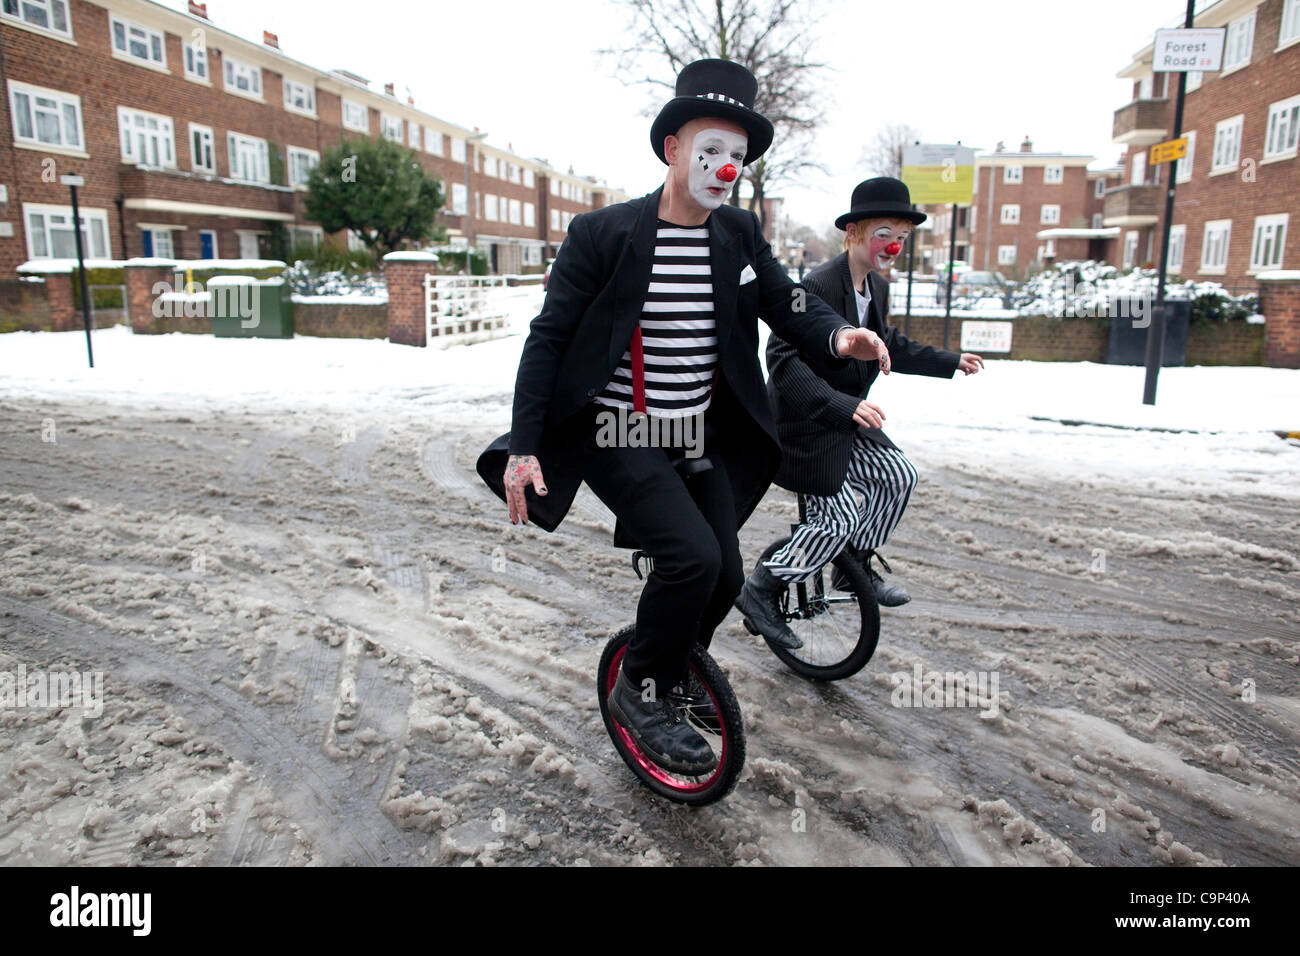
[(711, 491)]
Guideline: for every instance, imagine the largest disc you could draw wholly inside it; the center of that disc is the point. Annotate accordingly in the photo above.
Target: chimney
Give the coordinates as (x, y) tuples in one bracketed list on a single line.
[(1001, 147), (198, 9), (270, 39), (1026, 146), (388, 89)]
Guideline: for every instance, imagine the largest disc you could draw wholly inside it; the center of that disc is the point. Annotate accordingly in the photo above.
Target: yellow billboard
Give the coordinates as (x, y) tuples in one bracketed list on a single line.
[(938, 173)]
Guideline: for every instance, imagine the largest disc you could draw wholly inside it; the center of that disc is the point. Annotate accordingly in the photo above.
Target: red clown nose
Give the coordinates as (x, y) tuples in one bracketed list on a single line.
[(893, 249), (727, 173)]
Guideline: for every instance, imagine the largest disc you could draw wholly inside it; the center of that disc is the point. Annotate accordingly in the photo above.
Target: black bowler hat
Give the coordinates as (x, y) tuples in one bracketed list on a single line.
[(721, 88), (881, 198)]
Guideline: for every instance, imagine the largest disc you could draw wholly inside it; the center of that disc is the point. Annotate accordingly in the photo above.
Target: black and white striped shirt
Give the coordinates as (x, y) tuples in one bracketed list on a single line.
[(678, 329)]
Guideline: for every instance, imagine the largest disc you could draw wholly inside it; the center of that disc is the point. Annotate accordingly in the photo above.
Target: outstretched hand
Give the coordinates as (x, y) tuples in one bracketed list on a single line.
[(522, 471), (970, 363), (863, 344)]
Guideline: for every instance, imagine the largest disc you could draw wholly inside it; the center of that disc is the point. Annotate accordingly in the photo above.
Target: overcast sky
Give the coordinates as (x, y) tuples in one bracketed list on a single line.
[(528, 72)]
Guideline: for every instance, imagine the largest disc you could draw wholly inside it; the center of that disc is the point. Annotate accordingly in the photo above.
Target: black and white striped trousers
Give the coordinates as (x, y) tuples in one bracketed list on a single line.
[(864, 512)]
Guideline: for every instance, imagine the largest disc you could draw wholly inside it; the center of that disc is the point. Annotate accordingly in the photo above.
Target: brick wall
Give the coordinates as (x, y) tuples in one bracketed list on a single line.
[(1280, 303), (24, 305), (349, 320)]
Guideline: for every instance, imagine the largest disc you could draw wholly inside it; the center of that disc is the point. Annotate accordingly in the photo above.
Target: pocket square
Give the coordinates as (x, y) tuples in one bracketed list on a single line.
[(747, 274)]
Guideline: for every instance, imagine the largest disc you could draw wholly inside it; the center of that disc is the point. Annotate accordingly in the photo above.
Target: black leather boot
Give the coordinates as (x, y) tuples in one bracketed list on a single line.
[(887, 595), (659, 730), (760, 602)]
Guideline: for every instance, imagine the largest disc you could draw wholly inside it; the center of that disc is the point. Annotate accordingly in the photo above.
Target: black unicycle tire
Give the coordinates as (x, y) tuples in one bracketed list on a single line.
[(869, 612), (728, 742)]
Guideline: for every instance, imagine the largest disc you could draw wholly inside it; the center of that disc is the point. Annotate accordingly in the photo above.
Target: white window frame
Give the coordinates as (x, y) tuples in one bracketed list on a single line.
[(516, 174), (433, 142), (1288, 31), (292, 89), (161, 240), (63, 101), (564, 189), (390, 127), (1013, 174), (555, 219), (530, 182), (1138, 175), (1194, 80), (1227, 136), (1183, 167), (1146, 87), (89, 216), (490, 208), (1269, 233), (1177, 246), (516, 213), (459, 199), (1006, 255), (1099, 190), (1010, 215), (1053, 175), (237, 144), (208, 136), (530, 215), (1049, 214), (232, 70), (1283, 122), (163, 136), (1098, 220), (1130, 249), (1211, 231), (490, 167), (48, 7), (357, 122), (155, 42), (249, 244), (294, 158), (413, 134), (555, 186), (194, 56), (458, 153), (314, 234), (1239, 44)]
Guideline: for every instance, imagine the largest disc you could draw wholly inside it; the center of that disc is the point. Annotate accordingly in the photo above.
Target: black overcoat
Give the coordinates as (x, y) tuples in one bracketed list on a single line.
[(814, 401), (598, 285)]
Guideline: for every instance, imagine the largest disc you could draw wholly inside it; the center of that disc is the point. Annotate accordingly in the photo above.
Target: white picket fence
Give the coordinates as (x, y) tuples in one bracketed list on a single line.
[(459, 310)]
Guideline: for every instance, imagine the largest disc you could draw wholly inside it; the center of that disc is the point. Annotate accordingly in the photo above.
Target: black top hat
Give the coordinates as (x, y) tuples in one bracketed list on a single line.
[(721, 88), (881, 198)]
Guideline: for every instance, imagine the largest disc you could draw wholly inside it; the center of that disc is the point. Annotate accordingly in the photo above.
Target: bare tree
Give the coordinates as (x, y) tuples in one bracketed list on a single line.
[(773, 39), (884, 157)]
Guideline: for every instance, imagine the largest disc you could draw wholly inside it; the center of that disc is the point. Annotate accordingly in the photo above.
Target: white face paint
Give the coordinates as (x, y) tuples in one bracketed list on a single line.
[(711, 150)]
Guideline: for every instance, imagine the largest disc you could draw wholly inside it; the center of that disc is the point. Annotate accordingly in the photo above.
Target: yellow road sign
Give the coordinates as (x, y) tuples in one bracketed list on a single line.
[(938, 173), (1169, 151)]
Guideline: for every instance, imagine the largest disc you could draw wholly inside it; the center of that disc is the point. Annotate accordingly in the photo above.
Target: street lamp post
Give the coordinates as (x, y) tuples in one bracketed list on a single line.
[(469, 205), (72, 181)]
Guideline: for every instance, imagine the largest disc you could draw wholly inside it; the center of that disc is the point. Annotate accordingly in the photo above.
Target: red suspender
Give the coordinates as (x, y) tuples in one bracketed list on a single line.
[(638, 372)]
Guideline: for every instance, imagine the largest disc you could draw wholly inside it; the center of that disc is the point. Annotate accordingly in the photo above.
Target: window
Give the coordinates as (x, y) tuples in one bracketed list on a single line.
[(459, 199), (45, 117), (432, 141), (1146, 88), (249, 159), (196, 60), (530, 180), (555, 218), (307, 235), (138, 43), (516, 213), (1013, 174), (1177, 241), (299, 97), (1241, 39), (564, 190), (1283, 120), (49, 232), (301, 163), (1099, 190), (1139, 175), (146, 138), (355, 242), (412, 135), (1053, 175), (250, 245), (515, 173), (243, 79), (490, 166), (1194, 78), (478, 206), (457, 149), (555, 186), (356, 116), (390, 127), (490, 208), (1010, 213), (530, 215), (49, 15), (1183, 168), (1290, 29), (202, 157), (1130, 249), (158, 242), (1214, 246), (1227, 145), (1268, 242), (1006, 255), (1049, 215), (532, 256), (1098, 220)]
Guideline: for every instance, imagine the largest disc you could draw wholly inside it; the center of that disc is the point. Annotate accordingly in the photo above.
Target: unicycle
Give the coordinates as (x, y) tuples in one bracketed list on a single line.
[(839, 628), (725, 734)]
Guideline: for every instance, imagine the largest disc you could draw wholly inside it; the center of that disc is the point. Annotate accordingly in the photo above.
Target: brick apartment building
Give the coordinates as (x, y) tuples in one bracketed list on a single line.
[(195, 142), (1029, 210), (1240, 180)]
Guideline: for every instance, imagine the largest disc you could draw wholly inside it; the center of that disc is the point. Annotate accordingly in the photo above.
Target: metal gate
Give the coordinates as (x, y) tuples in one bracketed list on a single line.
[(459, 310)]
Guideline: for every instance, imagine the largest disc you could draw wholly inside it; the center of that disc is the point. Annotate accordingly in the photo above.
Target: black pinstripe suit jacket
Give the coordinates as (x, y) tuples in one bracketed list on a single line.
[(813, 402)]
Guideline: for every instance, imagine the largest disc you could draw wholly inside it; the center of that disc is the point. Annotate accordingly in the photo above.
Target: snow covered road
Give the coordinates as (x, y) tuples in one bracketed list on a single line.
[(323, 642)]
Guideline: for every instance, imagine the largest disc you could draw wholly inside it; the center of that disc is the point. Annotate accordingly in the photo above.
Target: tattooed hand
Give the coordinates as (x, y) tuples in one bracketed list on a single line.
[(522, 471)]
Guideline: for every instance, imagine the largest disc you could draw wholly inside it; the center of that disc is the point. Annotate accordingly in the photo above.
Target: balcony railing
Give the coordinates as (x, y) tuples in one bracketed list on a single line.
[(1132, 205), (1141, 123)]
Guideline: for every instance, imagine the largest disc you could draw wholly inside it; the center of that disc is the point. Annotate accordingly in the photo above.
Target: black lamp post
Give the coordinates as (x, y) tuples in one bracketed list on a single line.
[(72, 181)]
